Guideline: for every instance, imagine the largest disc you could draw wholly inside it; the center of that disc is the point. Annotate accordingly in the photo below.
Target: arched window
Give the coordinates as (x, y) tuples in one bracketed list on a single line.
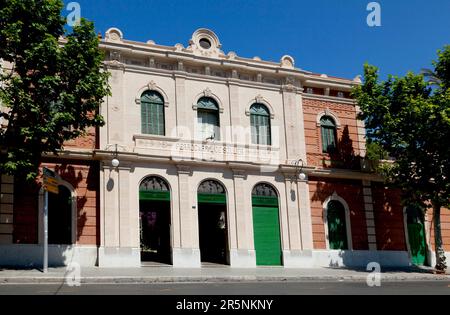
[(260, 124), (211, 187), (329, 134), (337, 226), (152, 113), (264, 190), (154, 188), (208, 121)]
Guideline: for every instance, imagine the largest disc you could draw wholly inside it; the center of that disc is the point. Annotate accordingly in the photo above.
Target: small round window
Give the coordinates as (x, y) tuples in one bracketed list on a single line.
[(205, 43)]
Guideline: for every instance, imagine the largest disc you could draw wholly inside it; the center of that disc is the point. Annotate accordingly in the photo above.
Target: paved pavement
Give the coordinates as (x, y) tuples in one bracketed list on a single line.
[(211, 274), (242, 290)]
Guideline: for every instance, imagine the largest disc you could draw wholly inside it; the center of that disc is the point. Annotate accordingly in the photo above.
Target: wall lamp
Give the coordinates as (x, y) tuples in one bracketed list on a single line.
[(299, 174), (115, 161)]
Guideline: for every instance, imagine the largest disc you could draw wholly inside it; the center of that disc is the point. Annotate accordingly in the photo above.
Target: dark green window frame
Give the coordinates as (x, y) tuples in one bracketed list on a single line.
[(329, 134), (152, 114), (260, 125)]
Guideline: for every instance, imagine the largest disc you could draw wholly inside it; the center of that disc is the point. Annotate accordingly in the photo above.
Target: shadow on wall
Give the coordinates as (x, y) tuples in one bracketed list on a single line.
[(344, 156), (360, 259), (26, 251), (390, 234), (349, 190), (68, 173)]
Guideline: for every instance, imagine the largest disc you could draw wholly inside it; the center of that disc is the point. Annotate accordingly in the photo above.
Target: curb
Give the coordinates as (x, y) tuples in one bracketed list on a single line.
[(214, 279)]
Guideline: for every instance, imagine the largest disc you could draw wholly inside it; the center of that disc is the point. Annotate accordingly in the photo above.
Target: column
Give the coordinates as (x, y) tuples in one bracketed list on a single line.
[(294, 256), (116, 107), (6, 209), (236, 116), (294, 124), (370, 218), (305, 215), (242, 252), (120, 224), (181, 106), (188, 256)]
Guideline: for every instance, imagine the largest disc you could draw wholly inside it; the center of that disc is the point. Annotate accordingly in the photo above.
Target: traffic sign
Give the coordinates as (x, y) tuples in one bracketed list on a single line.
[(51, 183)]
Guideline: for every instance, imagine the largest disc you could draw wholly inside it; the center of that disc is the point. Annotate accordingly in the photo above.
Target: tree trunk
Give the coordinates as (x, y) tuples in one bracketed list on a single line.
[(441, 264)]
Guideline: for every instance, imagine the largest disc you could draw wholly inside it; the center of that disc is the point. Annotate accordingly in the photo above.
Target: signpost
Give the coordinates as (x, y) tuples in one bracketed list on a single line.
[(50, 185)]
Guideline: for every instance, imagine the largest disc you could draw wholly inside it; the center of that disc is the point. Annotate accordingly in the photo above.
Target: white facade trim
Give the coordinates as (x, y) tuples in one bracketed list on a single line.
[(330, 113), (208, 93), (152, 86), (260, 100)]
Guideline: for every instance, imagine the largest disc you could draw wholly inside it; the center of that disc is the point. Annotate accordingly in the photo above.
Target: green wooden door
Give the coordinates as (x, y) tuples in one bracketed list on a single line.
[(416, 235), (266, 227), (417, 243), (337, 227)]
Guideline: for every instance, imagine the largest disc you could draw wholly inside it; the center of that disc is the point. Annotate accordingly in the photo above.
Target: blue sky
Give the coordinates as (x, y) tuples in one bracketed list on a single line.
[(324, 36)]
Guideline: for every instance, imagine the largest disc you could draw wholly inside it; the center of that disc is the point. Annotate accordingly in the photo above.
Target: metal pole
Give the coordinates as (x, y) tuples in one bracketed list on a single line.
[(45, 267)]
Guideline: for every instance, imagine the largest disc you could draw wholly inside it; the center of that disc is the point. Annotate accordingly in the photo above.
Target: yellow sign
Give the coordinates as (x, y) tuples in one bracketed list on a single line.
[(51, 184), (51, 189)]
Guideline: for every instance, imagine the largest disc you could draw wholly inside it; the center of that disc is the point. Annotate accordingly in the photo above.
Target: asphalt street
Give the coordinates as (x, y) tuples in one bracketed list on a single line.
[(244, 289)]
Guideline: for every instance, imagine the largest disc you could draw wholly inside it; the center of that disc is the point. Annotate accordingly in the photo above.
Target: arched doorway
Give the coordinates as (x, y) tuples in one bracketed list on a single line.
[(266, 226), (155, 220), (415, 221), (212, 222), (60, 217), (337, 226)]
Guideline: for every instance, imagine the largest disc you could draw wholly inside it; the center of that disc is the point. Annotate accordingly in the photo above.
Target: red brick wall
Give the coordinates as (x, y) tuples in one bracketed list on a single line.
[(389, 221), (347, 135), (445, 228), (84, 177), (352, 193), (89, 141)]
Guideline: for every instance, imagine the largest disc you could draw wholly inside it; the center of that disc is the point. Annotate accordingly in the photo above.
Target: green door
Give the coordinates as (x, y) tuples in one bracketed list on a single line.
[(416, 234), (337, 227), (417, 243), (266, 227)]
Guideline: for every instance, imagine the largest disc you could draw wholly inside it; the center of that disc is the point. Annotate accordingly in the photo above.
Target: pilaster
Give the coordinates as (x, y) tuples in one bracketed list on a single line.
[(6, 209), (370, 218)]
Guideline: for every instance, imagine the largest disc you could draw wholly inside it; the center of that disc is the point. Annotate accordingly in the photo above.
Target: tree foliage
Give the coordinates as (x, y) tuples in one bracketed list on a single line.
[(410, 121), (53, 86)]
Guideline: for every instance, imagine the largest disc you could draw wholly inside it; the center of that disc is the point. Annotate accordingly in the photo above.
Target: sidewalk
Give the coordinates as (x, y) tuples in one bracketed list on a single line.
[(212, 274)]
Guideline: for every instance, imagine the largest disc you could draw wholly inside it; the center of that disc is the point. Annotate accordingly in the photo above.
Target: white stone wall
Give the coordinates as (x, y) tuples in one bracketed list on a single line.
[(184, 162)]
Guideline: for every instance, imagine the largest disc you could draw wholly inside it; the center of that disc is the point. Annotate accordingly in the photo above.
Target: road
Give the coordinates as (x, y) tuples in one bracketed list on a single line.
[(242, 289)]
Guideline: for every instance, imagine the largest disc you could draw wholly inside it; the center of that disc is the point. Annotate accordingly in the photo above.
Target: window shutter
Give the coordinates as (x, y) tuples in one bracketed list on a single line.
[(208, 122), (328, 126), (260, 125), (152, 113)]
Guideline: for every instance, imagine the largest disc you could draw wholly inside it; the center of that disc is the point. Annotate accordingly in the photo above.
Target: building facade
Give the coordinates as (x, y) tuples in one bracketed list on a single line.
[(212, 158)]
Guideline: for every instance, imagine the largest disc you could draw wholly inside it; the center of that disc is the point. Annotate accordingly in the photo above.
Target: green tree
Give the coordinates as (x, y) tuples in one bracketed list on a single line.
[(410, 121), (53, 85)]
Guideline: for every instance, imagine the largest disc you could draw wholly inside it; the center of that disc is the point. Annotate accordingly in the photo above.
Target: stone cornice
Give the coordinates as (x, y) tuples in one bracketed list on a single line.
[(239, 168), (204, 78), (225, 61)]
